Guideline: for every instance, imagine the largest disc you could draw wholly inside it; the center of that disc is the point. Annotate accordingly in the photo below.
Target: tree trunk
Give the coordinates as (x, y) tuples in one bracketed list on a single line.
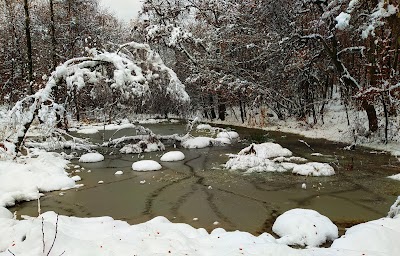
[(371, 113), (28, 45), (53, 37)]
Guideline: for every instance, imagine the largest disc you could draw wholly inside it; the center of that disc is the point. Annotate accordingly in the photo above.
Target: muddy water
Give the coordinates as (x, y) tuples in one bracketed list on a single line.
[(199, 187)]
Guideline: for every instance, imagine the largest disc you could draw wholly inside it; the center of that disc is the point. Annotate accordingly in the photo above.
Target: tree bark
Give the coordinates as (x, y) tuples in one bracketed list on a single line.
[(53, 37), (28, 45)]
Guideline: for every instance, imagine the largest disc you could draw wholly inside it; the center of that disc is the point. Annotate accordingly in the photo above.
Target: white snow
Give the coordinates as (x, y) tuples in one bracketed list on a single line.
[(395, 177), (266, 150), (197, 142), (118, 173), (173, 156), (342, 20), (304, 227), (228, 134), (91, 158), (100, 182), (314, 169), (88, 131), (105, 236), (304, 186), (146, 165), (5, 213), (256, 158), (76, 178), (377, 236), (204, 127), (25, 178)]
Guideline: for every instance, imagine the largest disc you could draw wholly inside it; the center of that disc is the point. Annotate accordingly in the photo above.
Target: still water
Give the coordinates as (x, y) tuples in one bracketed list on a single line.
[(200, 188)]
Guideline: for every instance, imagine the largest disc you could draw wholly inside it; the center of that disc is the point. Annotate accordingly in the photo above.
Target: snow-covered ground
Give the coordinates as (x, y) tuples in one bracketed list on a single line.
[(25, 178), (62, 235)]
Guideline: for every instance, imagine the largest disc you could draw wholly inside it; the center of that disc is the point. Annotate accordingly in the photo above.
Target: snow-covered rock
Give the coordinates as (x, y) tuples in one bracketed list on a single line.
[(91, 158), (229, 135), (197, 142), (118, 173), (304, 227), (204, 127), (314, 169), (173, 156), (146, 165), (266, 150)]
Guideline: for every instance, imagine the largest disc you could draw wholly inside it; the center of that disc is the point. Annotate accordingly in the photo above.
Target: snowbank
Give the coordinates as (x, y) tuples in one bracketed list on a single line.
[(173, 156), (305, 228), (146, 165), (203, 142), (25, 179), (105, 236), (380, 235), (5, 213), (91, 158)]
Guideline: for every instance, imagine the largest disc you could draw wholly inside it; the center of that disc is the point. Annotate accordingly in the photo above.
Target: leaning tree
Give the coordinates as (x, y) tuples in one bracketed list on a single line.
[(134, 72)]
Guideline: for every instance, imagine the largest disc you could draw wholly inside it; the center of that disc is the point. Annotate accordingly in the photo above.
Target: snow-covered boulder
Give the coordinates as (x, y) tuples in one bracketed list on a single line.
[(91, 158), (305, 228), (146, 165), (314, 169), (229, 135), (197, 142), (173, 156), (266, 150), (204, 127)]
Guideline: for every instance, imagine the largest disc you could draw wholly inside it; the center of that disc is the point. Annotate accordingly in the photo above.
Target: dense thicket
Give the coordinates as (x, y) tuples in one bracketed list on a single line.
[(38, 35), (287, 55)]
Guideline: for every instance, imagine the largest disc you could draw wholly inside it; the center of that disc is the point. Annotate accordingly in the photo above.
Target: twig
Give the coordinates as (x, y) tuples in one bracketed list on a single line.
[(11, 252), (55, 237), (44, 244)]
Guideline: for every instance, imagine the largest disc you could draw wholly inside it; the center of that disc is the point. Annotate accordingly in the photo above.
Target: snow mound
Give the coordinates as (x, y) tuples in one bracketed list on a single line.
[(88, 131), (118, 173), (198, 142), (314, 169), (91, 158), (272, 157), (266, 150), (395, 177), (5, 213), (24, 179), (380, 235), (142, 146), (305, 228), (146, 165), (204, 127), (173, 156), (228, 135)]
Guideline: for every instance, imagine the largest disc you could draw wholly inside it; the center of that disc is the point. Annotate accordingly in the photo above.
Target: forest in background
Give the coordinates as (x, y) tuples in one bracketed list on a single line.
[(289, 56)]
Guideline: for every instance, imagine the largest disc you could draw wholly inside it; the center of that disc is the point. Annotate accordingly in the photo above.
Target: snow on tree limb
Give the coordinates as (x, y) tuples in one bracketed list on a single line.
[(132, 76)]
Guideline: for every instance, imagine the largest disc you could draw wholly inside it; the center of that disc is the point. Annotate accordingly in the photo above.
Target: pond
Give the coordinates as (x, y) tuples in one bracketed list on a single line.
[(200, 192)]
